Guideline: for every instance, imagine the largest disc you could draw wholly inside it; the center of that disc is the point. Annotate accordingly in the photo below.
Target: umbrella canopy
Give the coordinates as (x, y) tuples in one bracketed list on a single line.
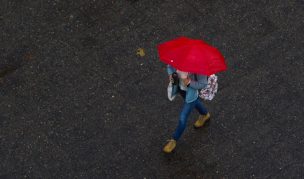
[(190, 55)]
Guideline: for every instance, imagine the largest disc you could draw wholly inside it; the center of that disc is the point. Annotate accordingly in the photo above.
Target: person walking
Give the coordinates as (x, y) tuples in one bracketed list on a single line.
[(189, 84), (193, 61)]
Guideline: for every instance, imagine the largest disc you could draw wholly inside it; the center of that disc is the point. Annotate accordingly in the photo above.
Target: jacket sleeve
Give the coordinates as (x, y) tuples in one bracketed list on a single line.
[(201, 82), (170, 69)]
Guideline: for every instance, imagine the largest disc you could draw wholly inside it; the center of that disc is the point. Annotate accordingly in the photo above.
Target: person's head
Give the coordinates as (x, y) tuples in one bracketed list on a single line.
[(182, 74)]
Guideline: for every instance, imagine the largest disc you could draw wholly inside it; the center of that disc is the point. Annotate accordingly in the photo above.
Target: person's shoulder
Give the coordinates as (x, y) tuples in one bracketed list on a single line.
[(200, 75)]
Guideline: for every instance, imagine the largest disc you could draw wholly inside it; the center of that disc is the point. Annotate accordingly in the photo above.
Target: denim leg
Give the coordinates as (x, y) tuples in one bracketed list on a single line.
[(200, 107), (187, 108)]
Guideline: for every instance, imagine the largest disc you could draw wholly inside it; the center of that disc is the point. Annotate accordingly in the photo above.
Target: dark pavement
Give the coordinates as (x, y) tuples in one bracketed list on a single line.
[(77, 102)]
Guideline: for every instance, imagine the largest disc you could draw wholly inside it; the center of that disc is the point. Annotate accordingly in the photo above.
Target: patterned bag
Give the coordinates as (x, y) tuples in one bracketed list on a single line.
[(208, 93)]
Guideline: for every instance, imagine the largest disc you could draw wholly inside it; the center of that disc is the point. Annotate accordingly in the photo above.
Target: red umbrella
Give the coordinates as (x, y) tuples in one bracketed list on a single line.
[(190, 55)]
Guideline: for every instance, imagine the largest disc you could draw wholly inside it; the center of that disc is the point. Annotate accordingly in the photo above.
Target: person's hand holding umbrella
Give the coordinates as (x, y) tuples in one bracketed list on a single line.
[(186, 81)]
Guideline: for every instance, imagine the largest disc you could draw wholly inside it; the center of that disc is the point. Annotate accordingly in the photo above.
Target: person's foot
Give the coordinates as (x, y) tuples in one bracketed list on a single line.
[(170, 146), (202, 119)]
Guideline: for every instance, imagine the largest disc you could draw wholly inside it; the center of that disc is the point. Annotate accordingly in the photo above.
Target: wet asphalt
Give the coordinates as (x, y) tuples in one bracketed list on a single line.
[(76, 101)]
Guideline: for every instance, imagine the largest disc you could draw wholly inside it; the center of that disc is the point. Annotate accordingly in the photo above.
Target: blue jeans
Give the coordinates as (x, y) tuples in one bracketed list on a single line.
[(187, 108)]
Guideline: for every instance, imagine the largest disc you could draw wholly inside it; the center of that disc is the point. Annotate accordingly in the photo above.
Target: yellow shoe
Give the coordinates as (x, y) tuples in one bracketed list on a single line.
[(169, 147), (202, 119)]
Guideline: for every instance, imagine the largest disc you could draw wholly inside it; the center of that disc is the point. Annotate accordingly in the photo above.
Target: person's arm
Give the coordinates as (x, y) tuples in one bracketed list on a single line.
[(170, 69), (201, 82)]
